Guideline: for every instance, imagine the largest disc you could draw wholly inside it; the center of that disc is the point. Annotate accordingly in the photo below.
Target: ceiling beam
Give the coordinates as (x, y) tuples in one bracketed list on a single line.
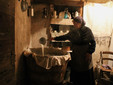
[(59, 2)]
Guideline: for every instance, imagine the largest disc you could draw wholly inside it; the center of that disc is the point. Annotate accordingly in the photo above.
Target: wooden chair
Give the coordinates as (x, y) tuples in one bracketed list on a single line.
[(105, 70)]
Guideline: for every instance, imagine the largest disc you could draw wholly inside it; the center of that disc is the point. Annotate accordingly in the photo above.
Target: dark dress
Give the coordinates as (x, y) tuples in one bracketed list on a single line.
[(82, 42)]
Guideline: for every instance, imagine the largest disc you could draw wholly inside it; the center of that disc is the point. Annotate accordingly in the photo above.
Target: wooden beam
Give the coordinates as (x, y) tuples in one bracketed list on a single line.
[(59, 2)]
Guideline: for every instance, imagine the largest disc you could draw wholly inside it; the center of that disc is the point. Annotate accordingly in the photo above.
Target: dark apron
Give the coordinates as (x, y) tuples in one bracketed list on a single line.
[(79, 62)]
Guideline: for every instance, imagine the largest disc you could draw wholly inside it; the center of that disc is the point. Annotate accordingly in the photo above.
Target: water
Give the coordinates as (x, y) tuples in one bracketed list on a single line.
[(42, 49), (42, 42)]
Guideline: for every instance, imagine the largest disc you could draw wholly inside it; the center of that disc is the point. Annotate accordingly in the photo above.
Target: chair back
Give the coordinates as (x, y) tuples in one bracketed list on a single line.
[(103, 58)]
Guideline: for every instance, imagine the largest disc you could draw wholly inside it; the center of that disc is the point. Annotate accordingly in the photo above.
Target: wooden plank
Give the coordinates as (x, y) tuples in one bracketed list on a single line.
[(60, 2), (9, 74), (61, 21), (7, 68), (7, 7)]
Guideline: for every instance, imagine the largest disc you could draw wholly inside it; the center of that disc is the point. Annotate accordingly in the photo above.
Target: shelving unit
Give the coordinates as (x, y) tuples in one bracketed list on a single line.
[(61, 21), (62, 25)]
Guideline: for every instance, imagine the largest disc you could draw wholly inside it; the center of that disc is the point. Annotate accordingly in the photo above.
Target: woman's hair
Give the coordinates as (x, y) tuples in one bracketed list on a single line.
[(79, 19)]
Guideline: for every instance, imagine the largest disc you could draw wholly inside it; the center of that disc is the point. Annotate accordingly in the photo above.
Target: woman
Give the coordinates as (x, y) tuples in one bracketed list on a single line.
[(82, 45)]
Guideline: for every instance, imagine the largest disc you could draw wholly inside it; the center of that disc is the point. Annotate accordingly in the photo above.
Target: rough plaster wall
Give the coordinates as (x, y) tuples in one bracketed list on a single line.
[(96, 54), (22, 34), (111, 46), (39, 25), (111, 49)]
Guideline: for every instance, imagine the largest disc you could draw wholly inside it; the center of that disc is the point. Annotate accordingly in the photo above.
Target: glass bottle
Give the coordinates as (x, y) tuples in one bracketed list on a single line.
[(66, 16)]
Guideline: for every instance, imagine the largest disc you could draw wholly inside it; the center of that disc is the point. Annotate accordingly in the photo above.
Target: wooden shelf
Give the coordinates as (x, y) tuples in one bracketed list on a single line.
[(66, 41), (60, 2), (59, 21)]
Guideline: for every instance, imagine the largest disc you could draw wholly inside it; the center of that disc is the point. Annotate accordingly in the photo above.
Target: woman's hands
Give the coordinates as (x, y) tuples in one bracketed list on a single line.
[(50, 39)]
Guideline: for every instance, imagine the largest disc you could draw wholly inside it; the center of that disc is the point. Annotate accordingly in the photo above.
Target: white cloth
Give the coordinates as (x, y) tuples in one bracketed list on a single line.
[(48, 61), (51, 61), (99, 17)]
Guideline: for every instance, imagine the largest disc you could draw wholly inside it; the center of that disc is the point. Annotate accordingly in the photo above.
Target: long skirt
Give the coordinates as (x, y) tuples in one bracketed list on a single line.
[(82, 78)]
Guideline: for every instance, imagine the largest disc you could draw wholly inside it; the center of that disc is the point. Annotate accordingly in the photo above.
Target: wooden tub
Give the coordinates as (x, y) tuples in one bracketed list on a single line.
[(40, 75)]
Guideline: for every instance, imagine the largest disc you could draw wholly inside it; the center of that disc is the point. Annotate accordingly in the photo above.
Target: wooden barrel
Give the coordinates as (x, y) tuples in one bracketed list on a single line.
[(38, 75)]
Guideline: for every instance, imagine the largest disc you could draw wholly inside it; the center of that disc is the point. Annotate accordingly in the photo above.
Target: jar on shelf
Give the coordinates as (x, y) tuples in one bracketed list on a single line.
[(66, 16)]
